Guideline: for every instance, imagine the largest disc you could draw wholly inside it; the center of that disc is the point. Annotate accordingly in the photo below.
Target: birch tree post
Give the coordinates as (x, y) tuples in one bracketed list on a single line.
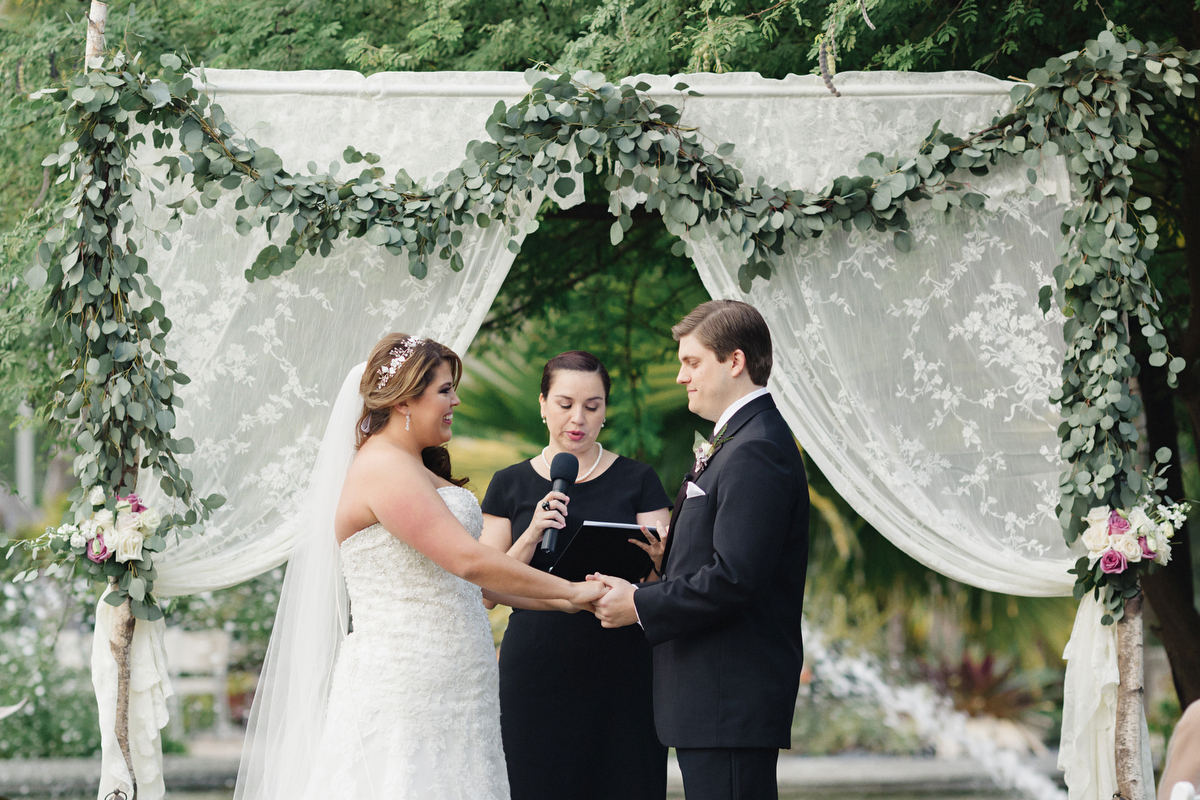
[(97, 15), (1130, 781), (121, 638)]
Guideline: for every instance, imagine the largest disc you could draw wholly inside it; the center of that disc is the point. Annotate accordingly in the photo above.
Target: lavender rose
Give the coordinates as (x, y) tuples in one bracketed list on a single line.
[(97, 550), (1147, 552), (1112, 562), (135, 504), (1117, 524)]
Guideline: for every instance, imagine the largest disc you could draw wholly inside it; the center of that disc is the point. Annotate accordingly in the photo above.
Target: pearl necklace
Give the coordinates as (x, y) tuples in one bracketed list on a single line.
[(585, 475)]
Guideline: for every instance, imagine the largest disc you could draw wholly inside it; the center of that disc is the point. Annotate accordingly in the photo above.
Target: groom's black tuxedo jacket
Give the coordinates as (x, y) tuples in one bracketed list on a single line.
[(725, 619)]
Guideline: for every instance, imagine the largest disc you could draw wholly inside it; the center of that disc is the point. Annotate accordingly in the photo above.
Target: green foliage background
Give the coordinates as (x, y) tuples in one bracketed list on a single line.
[(557, 296)]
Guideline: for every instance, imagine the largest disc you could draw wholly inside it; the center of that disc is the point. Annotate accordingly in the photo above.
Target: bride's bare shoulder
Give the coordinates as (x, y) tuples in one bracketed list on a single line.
[(376, 472), (383, 462)]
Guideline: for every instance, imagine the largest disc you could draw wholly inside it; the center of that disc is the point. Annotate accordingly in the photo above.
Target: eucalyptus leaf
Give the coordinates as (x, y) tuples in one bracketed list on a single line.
[(35, 277)]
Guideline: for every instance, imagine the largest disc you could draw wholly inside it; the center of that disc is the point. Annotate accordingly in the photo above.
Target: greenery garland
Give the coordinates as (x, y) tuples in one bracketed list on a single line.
[(1089, 106)]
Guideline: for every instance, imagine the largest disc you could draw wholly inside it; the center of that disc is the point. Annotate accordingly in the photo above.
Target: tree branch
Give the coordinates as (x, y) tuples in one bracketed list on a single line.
[(41, 198)]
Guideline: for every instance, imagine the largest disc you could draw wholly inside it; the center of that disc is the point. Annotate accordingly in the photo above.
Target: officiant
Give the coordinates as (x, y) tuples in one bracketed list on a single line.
[(575, 698)]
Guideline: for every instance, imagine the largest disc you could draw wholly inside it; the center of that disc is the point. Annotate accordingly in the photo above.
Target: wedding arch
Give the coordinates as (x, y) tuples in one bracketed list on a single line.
[(989, 480)]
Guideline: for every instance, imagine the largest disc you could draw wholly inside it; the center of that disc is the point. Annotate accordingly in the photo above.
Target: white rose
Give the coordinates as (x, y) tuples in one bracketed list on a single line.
[(78, 539), (126, 543), (1160, 540), (150, 520), (1139, 523), (1162, 554), (104, 518), (1128, 546), (1097, 515), (124, 505), (1165, 531), (96, 496), (1095, 538)]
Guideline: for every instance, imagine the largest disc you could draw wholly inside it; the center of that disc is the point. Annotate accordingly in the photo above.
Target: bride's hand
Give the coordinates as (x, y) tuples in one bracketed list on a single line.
[(654, 547), (584, 594)]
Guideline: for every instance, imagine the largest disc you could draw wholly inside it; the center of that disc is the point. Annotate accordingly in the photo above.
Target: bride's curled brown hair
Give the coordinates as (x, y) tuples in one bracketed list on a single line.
[(408, 363)]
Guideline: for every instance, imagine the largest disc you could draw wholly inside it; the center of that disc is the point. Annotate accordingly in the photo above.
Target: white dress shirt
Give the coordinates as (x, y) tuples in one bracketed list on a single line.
[(728, 413)]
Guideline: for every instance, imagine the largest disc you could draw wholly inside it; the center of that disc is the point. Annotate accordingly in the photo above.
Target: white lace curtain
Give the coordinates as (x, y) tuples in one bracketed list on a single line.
[(267, 359), (917, 382)]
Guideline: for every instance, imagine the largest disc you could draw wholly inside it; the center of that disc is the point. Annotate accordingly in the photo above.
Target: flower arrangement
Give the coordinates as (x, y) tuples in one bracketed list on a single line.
[(705, 448), (112, 544), (1121, 546)]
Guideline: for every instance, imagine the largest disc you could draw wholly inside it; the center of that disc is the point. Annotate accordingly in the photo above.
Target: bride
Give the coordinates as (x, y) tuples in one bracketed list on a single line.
[(406, 705)]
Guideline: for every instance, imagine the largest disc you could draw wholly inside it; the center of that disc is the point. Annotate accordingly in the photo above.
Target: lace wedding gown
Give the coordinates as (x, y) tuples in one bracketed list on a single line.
[(414, 708)]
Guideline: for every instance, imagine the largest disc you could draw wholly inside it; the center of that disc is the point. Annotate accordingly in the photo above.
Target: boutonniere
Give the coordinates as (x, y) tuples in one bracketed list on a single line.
[(705, 448)]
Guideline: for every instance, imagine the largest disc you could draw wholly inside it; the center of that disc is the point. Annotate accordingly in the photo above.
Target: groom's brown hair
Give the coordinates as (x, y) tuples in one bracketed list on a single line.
[(727, 325)]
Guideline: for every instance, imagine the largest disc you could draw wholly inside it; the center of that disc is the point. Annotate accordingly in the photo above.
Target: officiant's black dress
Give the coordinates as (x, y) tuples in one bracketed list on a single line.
[(576, 710)]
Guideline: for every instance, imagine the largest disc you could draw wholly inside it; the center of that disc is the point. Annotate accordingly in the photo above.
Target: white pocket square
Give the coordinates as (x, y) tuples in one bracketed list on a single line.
[(694, 491)]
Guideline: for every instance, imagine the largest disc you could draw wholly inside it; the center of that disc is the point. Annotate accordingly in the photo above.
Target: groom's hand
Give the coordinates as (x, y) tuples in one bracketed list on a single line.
[(615, 609), (584, 596)]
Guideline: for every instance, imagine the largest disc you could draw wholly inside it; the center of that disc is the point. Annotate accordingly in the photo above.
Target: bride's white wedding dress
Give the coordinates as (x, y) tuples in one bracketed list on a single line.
[(414, 709)]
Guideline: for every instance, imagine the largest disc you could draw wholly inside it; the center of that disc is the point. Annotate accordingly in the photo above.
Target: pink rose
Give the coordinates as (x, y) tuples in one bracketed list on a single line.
[(135, 504), (97, 550), (1112, 561), (1117, 525), (1146, 551)]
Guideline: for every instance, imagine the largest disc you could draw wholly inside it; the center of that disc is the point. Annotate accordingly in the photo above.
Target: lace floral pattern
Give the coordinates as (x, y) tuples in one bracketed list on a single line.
[(266, 358), (414, 709), (918, 382)]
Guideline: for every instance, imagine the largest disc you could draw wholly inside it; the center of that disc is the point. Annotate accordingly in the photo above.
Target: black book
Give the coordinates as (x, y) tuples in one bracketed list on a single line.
[(604, 547)]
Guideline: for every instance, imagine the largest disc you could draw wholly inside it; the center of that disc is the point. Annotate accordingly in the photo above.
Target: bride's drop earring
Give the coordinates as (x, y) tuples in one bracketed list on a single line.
[(543, 420), (603, 421), (407, 421)]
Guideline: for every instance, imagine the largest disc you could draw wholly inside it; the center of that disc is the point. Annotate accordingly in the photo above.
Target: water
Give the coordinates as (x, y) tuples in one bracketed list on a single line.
[(919, 708)]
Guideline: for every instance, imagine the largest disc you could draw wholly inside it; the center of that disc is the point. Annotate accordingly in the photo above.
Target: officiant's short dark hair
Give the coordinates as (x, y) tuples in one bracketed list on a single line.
[(577, 361), (727, 325)]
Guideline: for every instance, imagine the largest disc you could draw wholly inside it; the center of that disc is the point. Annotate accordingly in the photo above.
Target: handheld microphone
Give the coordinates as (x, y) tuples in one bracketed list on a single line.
[(564, 469)]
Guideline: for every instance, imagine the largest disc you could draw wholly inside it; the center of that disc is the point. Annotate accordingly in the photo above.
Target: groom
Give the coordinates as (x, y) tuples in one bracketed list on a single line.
[(725, 617)]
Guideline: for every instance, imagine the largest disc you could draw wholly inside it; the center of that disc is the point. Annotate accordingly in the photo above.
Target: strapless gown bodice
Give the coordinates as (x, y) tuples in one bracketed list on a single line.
[(414, 703)]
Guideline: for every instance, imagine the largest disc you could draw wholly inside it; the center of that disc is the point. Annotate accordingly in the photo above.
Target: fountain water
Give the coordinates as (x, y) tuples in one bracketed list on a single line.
[(920, 709)]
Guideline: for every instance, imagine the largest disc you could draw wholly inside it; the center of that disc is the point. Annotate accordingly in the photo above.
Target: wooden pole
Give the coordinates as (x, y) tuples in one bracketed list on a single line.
[(1130, 695)]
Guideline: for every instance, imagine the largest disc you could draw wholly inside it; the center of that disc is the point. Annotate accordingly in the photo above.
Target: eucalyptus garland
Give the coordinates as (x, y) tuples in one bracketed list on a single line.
[(1090, 106)]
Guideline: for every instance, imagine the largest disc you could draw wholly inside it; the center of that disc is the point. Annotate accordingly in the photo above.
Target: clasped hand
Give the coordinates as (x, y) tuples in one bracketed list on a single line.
[(609, 598), (614, 608)]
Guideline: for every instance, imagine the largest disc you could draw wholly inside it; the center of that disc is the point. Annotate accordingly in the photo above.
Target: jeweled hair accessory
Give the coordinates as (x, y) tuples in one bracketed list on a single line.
[(400, 353)]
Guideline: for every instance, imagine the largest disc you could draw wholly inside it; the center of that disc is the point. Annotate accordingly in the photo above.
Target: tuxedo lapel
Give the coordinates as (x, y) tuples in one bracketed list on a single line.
[(679, 498), (736, 422)]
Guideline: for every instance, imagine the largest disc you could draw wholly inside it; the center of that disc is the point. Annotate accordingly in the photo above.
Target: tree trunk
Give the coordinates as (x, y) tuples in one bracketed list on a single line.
[(1170, 590), (1130, 695), (121, 644)]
